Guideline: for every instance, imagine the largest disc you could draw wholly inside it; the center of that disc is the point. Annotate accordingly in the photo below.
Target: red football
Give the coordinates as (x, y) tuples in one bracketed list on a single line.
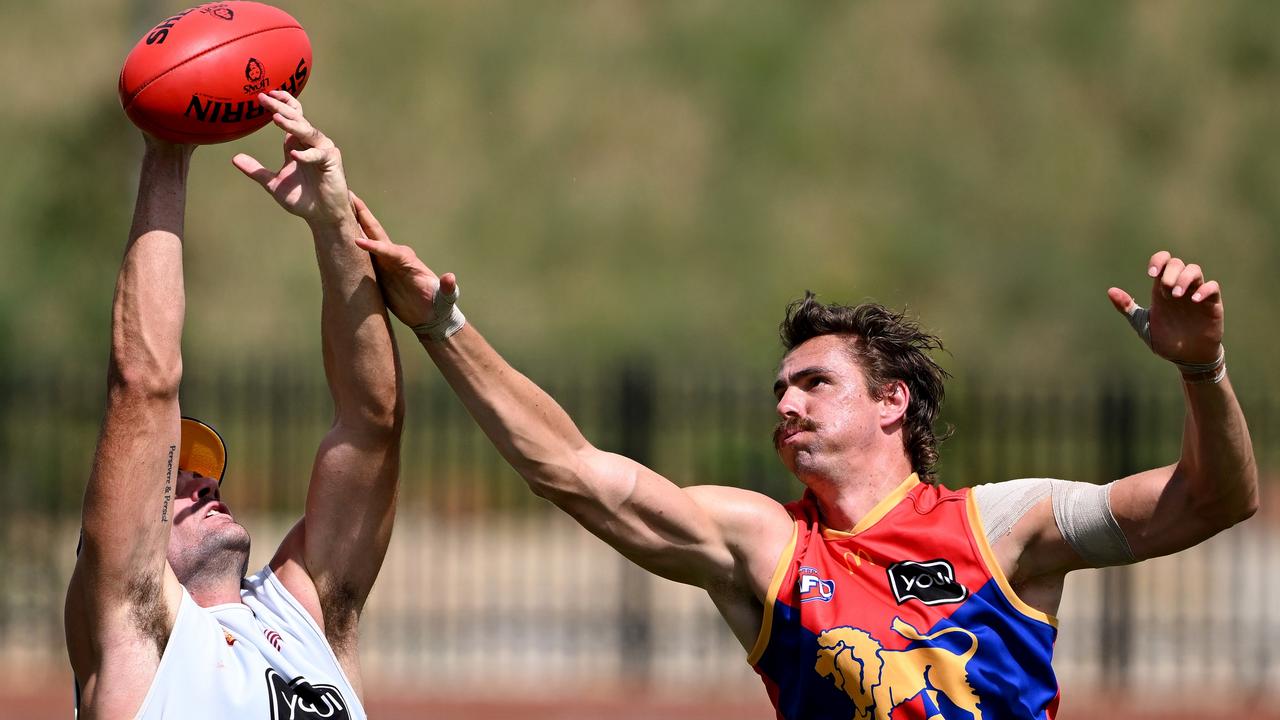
[(195, 77)]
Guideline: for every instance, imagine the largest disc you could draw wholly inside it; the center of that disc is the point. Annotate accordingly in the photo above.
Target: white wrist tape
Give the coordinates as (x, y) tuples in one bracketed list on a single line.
[(1140, 320), (449, 319)]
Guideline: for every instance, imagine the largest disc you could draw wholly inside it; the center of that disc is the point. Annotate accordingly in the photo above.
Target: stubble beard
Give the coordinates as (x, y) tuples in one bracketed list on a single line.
[(221, 556)]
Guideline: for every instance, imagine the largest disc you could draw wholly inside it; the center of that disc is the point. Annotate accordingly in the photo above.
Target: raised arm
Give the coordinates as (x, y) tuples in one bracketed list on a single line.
[(332, 556), (725, 540), (1214, 483), (123, 598)]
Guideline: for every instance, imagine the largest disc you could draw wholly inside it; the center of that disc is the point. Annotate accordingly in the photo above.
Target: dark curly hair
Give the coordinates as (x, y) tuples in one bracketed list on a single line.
[(888, 346)]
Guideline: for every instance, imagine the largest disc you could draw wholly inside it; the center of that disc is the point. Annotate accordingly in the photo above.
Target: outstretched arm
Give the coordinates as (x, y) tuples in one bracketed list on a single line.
[(723, 539), (123, 598), (332, 556), (1214, 483)]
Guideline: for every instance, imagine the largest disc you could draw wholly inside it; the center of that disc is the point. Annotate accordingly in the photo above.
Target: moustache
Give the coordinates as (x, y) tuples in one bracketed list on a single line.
[(790, 425)]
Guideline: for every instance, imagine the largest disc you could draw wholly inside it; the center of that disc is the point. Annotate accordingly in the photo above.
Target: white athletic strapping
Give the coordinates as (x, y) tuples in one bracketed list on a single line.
[(1081, 510), (449, 319)]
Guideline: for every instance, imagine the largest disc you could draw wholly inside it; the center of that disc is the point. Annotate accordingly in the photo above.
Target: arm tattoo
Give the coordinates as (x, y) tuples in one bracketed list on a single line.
[(168, 486)]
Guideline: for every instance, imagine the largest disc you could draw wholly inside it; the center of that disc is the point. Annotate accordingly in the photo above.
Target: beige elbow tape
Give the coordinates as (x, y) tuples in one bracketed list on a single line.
[(1082, 512)]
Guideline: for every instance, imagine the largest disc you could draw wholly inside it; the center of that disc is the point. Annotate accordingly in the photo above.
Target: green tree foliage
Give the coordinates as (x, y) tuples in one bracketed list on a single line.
[(622, 177)]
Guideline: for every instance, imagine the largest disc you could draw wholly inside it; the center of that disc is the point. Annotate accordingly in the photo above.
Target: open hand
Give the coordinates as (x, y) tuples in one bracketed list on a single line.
[(1185, 317), (310, 183)]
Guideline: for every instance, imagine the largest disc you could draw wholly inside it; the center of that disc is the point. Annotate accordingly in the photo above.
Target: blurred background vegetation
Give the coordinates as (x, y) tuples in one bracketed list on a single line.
[(612, 179)]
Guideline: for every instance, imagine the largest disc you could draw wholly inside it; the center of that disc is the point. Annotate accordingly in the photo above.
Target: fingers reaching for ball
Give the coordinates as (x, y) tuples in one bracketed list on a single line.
[(310, 182), (288, 116), (250, 166)]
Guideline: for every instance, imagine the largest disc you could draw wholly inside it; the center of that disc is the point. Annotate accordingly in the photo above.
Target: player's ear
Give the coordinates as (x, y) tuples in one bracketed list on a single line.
[(894, 399)]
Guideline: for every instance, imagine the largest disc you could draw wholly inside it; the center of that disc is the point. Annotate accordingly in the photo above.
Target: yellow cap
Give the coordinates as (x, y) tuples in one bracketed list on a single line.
[(202, 450)]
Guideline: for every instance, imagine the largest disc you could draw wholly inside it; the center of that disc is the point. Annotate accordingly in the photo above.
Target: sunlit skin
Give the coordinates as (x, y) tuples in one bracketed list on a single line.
[(845, 442), (152, 539), (831, 431), (206, 544)]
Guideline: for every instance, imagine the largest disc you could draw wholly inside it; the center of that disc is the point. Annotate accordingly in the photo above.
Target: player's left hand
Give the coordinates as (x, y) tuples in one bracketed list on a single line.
[(1185, 317), (311, 183)]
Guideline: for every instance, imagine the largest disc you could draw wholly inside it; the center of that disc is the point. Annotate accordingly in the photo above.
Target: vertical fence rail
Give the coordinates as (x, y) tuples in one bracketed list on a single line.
[(635, 417), (1115, 640)]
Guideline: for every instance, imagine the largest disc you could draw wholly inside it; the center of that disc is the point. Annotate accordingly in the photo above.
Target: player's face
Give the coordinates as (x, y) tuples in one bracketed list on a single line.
[(203, 528), (826, 417)]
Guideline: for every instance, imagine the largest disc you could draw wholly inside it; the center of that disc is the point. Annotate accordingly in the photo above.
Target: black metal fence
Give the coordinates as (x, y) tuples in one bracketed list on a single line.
[(485, 578)]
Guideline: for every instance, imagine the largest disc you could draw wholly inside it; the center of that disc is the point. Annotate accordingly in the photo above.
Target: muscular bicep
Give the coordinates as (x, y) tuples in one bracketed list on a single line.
[(1159, 514), (122, 594), (128, 503), (342, 539), (701, 535), (1074, 525)]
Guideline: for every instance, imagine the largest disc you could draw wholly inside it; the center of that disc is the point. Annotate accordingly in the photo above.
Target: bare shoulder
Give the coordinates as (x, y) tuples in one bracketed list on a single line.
[(736, 508), (755, 527)]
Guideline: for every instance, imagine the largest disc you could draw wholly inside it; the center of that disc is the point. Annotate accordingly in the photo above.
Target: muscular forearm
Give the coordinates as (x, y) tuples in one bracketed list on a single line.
[(1217, 453), (359, 352), (149, 304), (531, 431)]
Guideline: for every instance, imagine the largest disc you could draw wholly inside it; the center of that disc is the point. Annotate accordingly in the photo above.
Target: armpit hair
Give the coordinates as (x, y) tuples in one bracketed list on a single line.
[(341, 605), (147, 611)]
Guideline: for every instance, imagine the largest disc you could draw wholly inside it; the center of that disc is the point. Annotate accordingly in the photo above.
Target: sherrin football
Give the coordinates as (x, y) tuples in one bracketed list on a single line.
[(195, 76)]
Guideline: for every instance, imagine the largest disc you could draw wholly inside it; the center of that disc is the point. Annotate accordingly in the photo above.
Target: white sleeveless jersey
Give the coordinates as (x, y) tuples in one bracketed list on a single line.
[(263, 659)]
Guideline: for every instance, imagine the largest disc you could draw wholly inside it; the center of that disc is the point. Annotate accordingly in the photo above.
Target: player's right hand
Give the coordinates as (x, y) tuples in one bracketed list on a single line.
[(412, 292), (1184, 322), (311, 183)]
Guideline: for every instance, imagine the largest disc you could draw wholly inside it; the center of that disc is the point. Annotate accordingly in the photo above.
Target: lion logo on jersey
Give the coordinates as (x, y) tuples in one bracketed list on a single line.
[(879, 680)]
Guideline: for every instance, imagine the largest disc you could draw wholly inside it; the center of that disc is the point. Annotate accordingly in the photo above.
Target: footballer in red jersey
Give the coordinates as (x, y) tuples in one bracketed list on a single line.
[(879, 594)]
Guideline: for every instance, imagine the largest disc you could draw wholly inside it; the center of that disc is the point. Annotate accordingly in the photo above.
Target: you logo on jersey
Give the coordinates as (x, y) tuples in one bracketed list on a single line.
[(298, 699), (932, 583)]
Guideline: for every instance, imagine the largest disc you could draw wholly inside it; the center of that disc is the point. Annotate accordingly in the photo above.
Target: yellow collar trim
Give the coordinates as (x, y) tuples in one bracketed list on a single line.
[(881, 508)]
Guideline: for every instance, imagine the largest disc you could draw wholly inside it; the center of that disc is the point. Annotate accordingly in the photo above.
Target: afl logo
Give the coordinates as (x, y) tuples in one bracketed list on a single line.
[(256, 75), (813, 587)]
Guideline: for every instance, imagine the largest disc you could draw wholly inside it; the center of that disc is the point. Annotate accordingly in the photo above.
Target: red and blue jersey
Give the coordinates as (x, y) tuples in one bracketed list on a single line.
[(906, 616)]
